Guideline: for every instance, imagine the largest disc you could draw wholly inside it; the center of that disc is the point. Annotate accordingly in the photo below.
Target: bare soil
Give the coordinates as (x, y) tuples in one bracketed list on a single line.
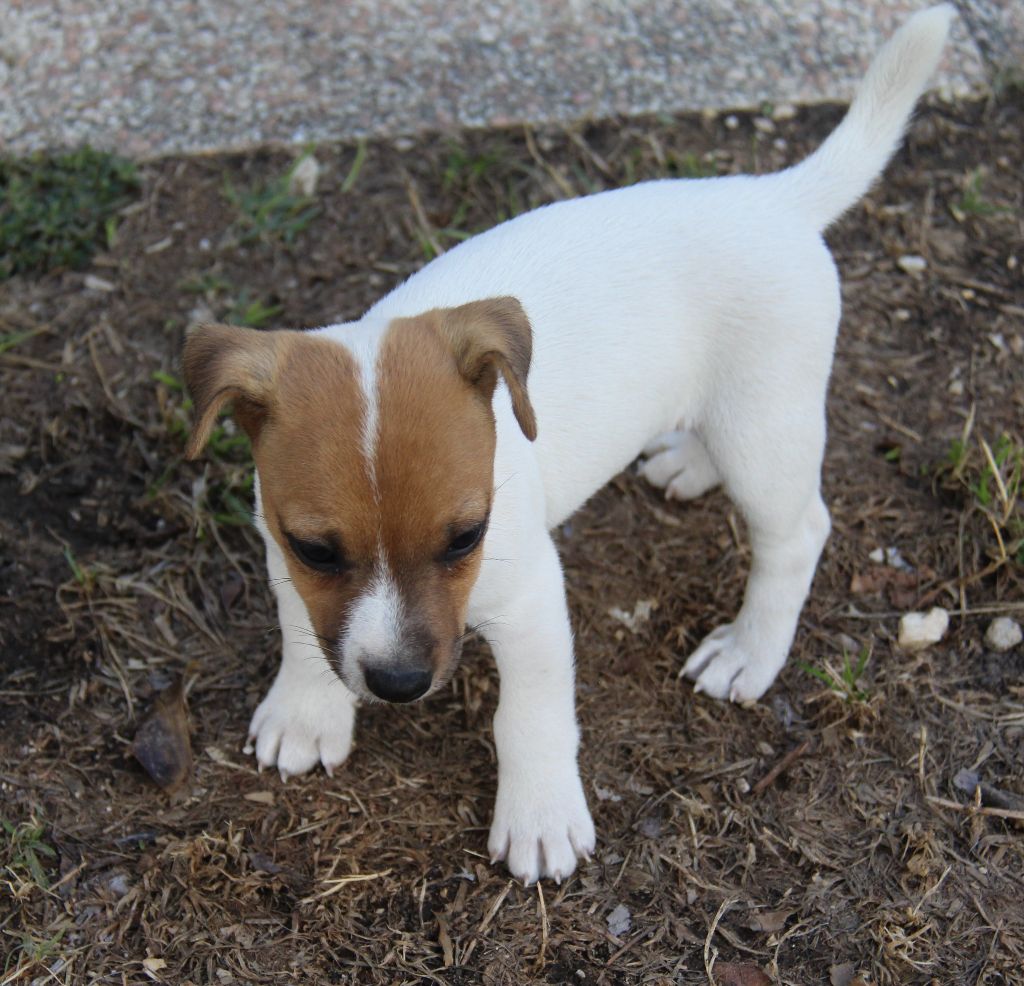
[(123, 568)]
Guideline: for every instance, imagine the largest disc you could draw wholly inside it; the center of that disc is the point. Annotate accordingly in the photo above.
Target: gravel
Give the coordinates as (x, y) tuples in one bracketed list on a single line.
[(191, 75)]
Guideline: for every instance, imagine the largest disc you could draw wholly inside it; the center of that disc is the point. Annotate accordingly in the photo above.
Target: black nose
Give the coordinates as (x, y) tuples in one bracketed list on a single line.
[(399, 685)]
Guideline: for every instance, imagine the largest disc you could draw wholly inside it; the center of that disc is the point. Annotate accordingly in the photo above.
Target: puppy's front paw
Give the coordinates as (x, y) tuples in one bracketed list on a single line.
[(302, 722), (725, 668), (540, 829)]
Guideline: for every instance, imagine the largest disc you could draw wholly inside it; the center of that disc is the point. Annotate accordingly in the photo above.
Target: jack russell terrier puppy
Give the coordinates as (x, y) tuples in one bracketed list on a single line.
[(410, 465)]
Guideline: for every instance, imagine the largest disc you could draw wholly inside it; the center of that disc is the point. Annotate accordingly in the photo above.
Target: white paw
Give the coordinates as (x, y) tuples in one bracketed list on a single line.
[(678, 463), (724, 668), (304, 720), (541, 829)]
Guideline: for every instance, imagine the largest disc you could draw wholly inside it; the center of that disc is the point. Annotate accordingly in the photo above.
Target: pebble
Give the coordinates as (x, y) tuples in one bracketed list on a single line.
[(304, 177), (891, 557), (912, 264), (1003, 633), (94, 283), (620, 921), (919, 630)]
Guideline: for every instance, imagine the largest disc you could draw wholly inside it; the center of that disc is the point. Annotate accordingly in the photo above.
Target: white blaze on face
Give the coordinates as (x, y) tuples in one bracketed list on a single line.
[(373, 634)]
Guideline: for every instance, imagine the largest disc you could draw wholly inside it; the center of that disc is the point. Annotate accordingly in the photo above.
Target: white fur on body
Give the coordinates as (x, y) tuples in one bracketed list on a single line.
[(693, 319)]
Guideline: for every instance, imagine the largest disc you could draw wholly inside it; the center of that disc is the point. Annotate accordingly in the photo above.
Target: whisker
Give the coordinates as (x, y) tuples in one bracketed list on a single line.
[(312, 633), (503, 482), (476, 628)]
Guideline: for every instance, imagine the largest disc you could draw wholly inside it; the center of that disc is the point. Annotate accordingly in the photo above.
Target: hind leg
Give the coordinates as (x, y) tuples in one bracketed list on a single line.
[(678, 463), (771, 471)]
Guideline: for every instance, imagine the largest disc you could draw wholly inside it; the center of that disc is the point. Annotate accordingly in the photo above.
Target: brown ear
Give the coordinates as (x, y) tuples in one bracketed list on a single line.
[(226, 363), (490, 337)]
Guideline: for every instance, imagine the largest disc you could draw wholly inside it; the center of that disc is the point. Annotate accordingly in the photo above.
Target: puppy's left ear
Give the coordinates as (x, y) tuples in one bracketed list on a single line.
[(491, 337)]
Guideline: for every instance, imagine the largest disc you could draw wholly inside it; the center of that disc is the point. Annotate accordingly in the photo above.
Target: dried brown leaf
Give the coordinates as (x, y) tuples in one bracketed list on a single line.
[(768, 922), (162, 742), (842, 974), (741, 974)]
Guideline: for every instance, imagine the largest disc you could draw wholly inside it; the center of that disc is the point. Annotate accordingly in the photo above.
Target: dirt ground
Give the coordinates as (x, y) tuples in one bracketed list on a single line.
[(122, 568)]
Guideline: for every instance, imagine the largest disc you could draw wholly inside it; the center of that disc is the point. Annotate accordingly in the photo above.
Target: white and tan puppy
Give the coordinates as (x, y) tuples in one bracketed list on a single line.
[(411, 464)]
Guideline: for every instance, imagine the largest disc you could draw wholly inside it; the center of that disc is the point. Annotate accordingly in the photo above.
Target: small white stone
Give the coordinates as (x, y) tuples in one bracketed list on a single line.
[(304, 177), (764, 125), (956, 388), (877, 556), (912, 264), (94, 283), (1003, 633), (894, 559), (640, 615), (919, 630), (731, 122), (784, 112), (620, 920)]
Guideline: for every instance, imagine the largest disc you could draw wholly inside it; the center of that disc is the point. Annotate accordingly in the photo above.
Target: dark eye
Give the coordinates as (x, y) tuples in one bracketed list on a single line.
[(464, 543), (318, 555)]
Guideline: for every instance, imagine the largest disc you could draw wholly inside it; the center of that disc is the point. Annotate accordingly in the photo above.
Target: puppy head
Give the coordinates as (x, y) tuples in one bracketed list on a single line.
[(376, 474)]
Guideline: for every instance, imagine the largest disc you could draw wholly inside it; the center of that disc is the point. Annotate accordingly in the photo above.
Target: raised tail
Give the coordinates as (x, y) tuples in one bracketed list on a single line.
[(833, 178)]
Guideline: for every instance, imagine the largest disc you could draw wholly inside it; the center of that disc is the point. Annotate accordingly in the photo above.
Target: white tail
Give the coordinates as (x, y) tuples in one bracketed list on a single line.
[(835, 176)]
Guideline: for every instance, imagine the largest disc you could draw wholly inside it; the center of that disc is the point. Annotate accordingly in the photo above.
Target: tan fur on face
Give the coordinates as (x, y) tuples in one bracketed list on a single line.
[(430, 480)]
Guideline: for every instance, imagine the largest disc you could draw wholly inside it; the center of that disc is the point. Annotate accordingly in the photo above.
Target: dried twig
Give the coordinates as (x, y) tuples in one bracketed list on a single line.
[(784, 764)]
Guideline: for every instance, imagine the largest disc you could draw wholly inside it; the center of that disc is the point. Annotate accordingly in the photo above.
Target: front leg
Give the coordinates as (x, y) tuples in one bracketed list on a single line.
[(541, 822), (308, 715)]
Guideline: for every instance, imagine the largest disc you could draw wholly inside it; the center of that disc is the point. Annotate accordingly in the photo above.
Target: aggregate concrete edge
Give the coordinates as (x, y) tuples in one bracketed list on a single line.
[(203, 75)]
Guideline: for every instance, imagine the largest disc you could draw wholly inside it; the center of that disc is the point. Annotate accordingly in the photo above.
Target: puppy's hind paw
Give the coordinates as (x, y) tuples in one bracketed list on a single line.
[(724, 668), (678, 464)]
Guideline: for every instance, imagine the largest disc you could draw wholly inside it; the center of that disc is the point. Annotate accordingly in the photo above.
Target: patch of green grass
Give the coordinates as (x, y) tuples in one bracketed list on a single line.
[(227, 506), (464, 167), (272, 212), (21, 847), (83, 576), (207, 284), (690, 165), (169, 380), (11, 339), (56, 210), (239, 306), (249, 311), (973, 202), (992, 478), (357, 166), (35, 950), (844, 681)]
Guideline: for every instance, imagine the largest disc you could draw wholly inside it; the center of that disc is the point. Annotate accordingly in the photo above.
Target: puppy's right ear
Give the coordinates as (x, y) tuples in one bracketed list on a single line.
[(226, 363)]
